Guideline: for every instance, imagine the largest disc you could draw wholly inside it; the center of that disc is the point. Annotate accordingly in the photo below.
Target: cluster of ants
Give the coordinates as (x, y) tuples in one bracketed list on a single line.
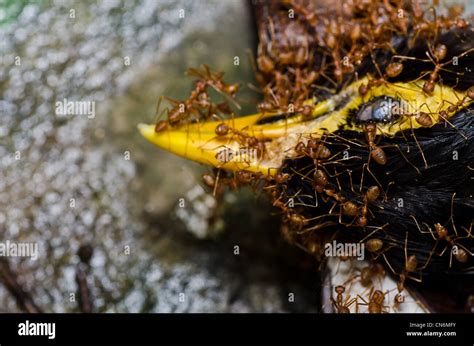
[(303, 48), (412, 270), (367, 275), (303, 53), (198, 106), (375, 299), (374, 273)]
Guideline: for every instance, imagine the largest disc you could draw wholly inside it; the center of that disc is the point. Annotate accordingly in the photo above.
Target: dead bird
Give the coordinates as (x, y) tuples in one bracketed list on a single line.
[(364, 133)]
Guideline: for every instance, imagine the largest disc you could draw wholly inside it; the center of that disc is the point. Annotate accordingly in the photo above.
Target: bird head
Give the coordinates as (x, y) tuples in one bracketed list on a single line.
[(392, 107)]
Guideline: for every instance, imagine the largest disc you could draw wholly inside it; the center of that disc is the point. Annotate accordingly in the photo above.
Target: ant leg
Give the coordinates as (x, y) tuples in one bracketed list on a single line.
[(406, 248), (374, 177), (430, 231), (452, 214), (374, 231), (214, 191), (389, 265), (318, 226), (403, 155), (385, 199), (364, 301), (348, 303), (418, 279), (429, 258)]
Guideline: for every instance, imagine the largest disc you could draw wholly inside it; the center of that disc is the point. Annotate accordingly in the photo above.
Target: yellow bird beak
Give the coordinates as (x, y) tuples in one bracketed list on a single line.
[(199, 142)]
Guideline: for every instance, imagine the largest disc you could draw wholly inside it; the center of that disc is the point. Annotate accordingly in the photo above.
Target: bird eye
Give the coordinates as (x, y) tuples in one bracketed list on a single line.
[(382, 109)]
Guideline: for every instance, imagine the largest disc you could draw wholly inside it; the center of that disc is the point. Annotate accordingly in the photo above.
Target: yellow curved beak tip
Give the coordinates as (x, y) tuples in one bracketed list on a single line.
[(147, 131), (162, 140), (188, 143)]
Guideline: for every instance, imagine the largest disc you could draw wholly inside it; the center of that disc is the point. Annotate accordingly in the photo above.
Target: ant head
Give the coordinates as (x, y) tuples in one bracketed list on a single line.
[(378, 297), (440, 230)]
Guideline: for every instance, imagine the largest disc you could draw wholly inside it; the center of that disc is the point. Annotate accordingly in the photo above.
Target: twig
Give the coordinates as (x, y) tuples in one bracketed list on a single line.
[(23, 299)]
